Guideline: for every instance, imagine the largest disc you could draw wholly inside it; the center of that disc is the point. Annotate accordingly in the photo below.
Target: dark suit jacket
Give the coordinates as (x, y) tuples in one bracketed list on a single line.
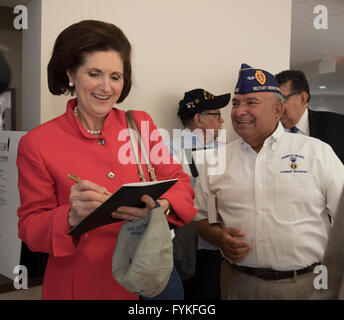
[(328, 127)]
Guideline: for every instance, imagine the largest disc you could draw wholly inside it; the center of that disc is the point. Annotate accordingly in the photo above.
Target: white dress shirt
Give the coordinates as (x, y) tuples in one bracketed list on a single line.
[(184, 140), (280, 198)]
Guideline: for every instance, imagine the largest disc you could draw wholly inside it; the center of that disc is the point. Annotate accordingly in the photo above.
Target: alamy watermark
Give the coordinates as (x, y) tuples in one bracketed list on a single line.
[(160, 154), (321, 281), (21, 20), (321, 20), (20, 281)]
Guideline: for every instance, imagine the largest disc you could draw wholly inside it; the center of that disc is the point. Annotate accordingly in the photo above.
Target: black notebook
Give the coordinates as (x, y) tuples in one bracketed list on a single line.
[(127, 195)]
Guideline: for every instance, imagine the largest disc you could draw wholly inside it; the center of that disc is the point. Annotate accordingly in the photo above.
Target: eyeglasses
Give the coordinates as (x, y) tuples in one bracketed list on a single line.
[(290, 95), (218, 114)]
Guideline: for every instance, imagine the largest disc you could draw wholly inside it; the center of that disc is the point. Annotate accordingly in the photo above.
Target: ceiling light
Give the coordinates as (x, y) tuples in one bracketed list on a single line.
[(322, 87)]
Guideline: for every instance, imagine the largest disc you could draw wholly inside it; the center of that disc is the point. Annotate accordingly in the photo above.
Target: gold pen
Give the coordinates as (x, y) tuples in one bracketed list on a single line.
[(76, 179)]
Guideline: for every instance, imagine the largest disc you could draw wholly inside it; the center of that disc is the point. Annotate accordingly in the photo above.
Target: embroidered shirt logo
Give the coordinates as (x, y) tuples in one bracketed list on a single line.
[(293, 163), (260, 76), (293, 158)]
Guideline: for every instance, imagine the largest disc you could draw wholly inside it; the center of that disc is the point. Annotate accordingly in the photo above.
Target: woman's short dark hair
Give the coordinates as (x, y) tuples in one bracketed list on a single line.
[(80, 39)]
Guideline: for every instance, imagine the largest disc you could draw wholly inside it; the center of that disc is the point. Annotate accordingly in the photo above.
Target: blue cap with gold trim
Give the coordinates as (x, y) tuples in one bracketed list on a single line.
[(255, 80)]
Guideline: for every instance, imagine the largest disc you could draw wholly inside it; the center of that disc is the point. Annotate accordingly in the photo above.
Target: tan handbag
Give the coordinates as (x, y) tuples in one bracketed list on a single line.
[(143, 258), (185, 237), (135, 140)]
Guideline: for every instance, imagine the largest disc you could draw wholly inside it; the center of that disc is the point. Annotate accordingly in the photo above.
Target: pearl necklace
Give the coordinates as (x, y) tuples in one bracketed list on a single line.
[(96, 132)]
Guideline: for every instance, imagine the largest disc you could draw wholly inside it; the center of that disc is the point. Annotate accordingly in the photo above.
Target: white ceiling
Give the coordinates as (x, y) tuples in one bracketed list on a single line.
[(309, 46)]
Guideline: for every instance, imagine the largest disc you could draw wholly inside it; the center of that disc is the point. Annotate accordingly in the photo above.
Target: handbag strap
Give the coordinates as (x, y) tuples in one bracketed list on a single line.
[(134, 141)]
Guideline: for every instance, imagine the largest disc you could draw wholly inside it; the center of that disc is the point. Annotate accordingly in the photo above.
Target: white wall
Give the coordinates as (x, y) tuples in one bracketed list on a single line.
[(178, 45)]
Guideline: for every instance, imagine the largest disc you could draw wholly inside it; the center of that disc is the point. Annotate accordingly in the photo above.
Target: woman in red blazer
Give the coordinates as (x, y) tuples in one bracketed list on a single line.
[(92, 60)]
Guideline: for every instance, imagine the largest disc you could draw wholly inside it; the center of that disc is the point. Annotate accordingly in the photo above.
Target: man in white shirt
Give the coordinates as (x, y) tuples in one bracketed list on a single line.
[(199, 112), (274, 198), (299, 118)]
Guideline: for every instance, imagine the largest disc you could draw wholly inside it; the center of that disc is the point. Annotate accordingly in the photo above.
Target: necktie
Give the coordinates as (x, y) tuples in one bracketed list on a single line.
[(293, 130)]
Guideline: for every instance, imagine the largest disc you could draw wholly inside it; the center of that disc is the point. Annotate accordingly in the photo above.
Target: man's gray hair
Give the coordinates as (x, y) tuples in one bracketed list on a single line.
[(278, 96)]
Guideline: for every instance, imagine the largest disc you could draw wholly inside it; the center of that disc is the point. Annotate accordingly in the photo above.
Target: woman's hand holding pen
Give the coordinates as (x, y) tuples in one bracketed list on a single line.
[(86, 196)]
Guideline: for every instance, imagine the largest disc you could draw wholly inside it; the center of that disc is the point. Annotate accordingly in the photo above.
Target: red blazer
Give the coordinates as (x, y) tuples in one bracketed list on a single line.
[(82, 268)]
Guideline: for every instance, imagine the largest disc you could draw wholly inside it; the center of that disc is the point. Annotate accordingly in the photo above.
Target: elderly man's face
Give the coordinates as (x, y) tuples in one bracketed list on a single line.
[(211, 121), (255, 116), (295, 105)]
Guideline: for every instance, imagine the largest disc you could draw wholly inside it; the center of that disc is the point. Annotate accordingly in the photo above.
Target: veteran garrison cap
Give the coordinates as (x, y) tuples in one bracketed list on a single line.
[(199, 100), (143, 258), (255, 80)]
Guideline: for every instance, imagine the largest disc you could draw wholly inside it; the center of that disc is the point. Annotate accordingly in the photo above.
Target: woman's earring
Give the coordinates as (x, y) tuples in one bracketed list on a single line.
[(71, 84)]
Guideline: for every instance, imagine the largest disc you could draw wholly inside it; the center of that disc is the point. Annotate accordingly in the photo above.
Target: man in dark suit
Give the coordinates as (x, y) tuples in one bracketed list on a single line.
[(297, 117)]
